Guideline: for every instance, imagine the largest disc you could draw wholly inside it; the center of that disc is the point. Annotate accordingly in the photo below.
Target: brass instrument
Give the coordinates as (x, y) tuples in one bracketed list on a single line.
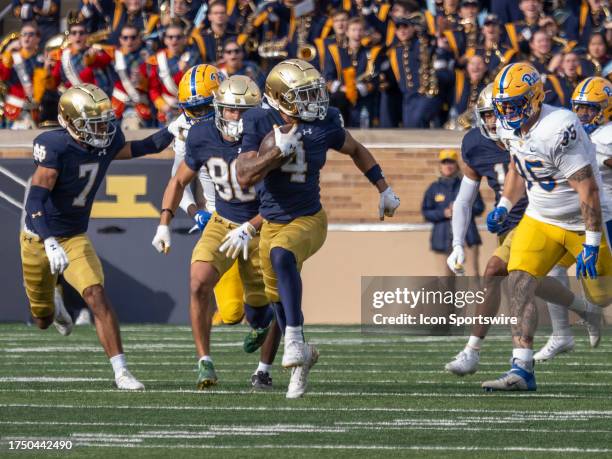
[(305, 50), (252, 43), (272, 49), (8, 40), (98, 36), (470, 28)]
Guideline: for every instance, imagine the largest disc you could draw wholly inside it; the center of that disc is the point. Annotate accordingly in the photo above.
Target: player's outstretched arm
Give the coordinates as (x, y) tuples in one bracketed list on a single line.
[(155, 143), (462, 215), (172, 196), (366, 163), (43, 181), (583, 181)]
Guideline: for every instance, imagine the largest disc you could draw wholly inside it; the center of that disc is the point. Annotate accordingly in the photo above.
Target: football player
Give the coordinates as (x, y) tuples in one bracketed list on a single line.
[(553, 158), (484, 156), (592, 103), (232, 229), (70, 165), (195, 108), (287, 181)]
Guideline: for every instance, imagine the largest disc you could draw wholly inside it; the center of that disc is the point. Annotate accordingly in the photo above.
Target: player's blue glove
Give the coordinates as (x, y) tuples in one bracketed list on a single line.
[(201, 218), (586, 261), (495, 218)]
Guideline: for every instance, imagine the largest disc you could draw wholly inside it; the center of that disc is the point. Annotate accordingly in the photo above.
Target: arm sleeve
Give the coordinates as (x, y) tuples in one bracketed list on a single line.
[(179, 156), (462, 209), (572, 149), (336, 134), (251, 137), (430, 211)]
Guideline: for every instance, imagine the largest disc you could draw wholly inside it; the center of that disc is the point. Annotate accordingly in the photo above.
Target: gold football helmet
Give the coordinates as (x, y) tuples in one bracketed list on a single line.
[(592, 102), (484, 104), (195, 91), (518, 93), (237, 92), (297, 89), (85, 111)]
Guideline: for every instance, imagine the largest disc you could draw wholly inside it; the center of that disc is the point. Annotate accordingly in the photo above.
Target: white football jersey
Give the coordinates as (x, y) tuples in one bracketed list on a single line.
[(602, 138), (208, 186), (555, 148)]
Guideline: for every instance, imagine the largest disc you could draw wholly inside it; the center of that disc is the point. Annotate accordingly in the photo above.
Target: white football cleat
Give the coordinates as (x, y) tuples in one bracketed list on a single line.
[(554, 346), (62, 321), (298, 383), (592, 323), (294, 354), (125, 380), (465, 363), (84, 317)]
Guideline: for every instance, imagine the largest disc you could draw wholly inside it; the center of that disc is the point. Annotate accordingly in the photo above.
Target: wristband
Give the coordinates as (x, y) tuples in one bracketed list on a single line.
[(505, 203), (592, 238), (374, 174)]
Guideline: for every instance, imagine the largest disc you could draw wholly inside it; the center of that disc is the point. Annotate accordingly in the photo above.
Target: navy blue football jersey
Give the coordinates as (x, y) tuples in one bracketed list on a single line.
[(292, 190), (206, 148), (80, 169), (489, 160)]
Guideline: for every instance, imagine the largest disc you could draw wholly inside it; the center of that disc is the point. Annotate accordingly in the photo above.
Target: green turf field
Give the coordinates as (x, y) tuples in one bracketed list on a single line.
[(370, 396)]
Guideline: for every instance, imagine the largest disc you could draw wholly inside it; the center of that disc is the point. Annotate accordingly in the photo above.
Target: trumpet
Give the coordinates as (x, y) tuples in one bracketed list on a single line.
[(273, 49), (305, 50)]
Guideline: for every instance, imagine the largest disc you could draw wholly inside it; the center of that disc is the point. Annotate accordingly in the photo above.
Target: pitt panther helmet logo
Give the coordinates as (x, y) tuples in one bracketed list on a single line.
[(608, 91), (530, 78)]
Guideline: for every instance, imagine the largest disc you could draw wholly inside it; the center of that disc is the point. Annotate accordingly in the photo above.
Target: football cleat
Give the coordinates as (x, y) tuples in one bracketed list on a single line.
[(298, 382), (294, 354), (63, 321), (554, 346), (261, 380), (207, 376), (84, 317), (465, 363), (515, 379), (124, 380), (254, 339)]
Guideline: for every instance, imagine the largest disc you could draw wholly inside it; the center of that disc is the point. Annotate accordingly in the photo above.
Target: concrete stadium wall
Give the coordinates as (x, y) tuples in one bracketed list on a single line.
[(145, 286)]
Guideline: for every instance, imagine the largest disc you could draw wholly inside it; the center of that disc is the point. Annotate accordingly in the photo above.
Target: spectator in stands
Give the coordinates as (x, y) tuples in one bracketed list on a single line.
[(597, 55), (349, 73), (411, 91), (166, 68), (234, 64), (210, 41), (45, 13), (79, 62), (340, 20), (130, 92), (467, 86), (22, 71), (559, 87), (540, 55), (437, 208), (495, 54)]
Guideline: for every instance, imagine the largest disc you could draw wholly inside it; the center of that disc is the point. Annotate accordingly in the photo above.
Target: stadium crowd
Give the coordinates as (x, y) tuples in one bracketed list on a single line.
[(405, 63)]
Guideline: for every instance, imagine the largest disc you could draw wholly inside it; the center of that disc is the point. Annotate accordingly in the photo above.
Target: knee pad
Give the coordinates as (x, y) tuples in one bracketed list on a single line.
[(258, 317)]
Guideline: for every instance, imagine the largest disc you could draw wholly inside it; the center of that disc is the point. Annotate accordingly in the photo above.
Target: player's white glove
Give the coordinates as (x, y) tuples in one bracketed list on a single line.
[(388, 203), (56, 255), (456, 260), (288, 143), (161, 241), (238, 239), (177, 125)]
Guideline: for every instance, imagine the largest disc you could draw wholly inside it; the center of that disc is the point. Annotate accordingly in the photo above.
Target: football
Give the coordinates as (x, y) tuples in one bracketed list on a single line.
[(268, 141)]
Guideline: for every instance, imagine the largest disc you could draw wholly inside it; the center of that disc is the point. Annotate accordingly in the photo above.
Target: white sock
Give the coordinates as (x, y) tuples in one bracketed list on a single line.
[(473, 344), (294, 334), (264, 367), (521, 353), (118, 362), (206, 358)]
